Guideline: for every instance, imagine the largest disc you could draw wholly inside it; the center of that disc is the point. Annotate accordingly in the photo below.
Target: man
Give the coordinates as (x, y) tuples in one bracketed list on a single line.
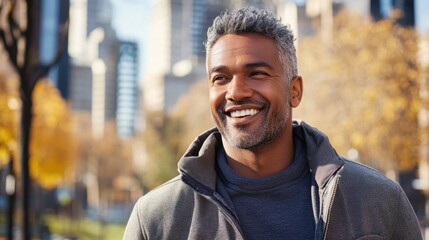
[(260, 175)]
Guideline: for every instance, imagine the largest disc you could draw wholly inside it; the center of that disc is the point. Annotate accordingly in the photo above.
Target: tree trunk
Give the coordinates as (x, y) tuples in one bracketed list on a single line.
[(26, 117)]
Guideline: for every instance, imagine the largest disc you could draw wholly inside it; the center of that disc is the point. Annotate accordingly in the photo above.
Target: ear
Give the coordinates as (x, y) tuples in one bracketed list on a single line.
[(296, 90)]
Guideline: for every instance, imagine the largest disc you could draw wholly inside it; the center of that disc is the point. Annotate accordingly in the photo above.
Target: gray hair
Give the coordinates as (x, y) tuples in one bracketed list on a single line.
[(253, 20)]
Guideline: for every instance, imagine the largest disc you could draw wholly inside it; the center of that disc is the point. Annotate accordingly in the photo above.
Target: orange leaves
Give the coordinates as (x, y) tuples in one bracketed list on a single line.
[(53, 146), (363, 90), (9, 119)]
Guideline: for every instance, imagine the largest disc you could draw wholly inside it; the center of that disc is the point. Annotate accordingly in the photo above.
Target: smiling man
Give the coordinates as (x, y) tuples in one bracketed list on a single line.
[(258, 174), (250, 102)]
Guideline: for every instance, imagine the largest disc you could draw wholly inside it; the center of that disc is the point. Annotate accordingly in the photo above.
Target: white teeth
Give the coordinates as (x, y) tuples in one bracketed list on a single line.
[(242, 113)]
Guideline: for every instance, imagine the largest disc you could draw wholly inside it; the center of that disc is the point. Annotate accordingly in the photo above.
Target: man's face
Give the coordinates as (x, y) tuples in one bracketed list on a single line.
[(249, 90)]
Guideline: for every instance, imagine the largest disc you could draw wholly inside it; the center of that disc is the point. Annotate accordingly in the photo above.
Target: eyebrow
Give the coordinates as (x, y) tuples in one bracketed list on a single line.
[(258, 64), (217, 69), (247, 65)]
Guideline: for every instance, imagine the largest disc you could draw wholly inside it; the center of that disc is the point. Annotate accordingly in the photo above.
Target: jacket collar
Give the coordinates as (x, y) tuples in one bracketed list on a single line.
[(322, 157), (198, 162)]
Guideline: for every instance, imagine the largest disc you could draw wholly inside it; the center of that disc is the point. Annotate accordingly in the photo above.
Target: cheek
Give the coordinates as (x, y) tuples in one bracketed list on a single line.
[(216, 98)]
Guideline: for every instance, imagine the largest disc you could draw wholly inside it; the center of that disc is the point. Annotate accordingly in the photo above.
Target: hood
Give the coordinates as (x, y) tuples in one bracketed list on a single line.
[(198, 162), (322, 157)]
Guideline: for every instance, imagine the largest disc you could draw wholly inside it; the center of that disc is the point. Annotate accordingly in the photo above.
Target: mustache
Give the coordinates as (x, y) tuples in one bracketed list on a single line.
[(249, 101)]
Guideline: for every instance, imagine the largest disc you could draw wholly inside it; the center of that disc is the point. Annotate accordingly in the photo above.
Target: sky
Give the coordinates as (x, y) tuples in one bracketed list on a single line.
[(129, 17), (422, 16), (130, 21)]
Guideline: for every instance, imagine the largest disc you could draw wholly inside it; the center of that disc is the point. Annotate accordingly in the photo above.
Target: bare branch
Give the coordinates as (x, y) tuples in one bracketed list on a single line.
[(14, 29), (12, 53), (11, 36)]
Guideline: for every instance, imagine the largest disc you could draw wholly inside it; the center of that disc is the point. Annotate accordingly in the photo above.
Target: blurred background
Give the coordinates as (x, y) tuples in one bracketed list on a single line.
[(100, 98)]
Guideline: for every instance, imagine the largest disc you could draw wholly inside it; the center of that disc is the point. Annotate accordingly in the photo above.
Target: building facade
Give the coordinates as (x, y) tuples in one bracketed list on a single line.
[(53, 15), (127, 89), (93, 48)]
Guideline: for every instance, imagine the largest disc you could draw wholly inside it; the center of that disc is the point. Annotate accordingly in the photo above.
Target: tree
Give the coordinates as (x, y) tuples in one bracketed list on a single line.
[(161, 141), (19, 33), (193, 112), (113, 159), (363, 90), (104, 158), (168, 135), (9, 118), (54, 144)]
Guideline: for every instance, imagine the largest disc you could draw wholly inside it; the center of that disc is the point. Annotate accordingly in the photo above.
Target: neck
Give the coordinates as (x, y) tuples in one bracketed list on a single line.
[(264, 161)]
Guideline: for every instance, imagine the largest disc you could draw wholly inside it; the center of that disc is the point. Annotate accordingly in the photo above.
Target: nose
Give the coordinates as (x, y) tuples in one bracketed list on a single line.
[(238, 89)]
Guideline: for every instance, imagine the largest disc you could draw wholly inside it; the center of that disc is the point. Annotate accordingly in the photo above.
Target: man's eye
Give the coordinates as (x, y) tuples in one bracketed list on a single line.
[(258, 74), (219, 78)]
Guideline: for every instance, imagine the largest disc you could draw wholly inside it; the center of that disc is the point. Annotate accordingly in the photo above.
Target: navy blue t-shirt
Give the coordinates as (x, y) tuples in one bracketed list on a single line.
[(271, 207)]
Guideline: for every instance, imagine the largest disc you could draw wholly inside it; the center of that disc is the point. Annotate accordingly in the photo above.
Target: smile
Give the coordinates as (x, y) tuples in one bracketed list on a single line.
[(244, 113)]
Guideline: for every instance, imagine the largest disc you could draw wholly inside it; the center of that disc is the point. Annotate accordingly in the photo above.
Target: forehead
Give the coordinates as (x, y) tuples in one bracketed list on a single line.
[(242, 48)]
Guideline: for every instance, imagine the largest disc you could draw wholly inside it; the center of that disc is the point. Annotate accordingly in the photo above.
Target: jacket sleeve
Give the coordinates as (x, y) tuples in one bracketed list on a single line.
[(134, 230), (406, 224)]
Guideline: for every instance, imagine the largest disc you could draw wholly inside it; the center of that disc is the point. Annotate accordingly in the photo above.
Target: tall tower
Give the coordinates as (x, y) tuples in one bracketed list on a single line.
[(93, 48), (53, 13), (99, 16), (127, 89), (176, 52)]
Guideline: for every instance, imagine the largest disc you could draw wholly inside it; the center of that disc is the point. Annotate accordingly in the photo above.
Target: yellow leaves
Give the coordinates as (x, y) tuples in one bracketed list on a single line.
[(9, 119), (357, 139), (372, 99), (4, 155), (53, 145)]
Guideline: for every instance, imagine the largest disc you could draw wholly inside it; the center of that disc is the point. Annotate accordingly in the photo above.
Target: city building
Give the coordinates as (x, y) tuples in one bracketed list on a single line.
[(127, 89), (93, 48), (53, 14), (81, 87), (176, 28)]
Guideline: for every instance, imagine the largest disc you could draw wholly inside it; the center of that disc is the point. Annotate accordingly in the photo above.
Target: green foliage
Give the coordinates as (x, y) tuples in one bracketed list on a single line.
[(84, 228), (363, 90)]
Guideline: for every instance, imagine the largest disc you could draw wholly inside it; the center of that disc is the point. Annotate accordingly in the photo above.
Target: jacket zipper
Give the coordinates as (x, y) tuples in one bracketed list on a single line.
[(227, 214), (331, 202), (215, 201)]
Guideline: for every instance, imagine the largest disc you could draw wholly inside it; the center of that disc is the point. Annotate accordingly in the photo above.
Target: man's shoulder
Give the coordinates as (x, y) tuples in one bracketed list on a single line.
[(170, 197), (166, 191), (362, 176), (373, 203)]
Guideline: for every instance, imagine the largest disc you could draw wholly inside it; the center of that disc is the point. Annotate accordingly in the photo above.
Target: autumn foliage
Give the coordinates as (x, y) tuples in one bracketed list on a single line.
[(363, 90), (9, 119), (53, 145)]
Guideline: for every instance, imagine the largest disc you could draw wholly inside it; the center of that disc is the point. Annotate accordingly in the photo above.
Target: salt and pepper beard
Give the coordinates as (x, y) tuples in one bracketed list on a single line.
[(266, 133)]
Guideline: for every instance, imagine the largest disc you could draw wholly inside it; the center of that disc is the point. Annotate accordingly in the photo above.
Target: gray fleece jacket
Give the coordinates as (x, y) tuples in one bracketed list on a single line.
[(350, 201)]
